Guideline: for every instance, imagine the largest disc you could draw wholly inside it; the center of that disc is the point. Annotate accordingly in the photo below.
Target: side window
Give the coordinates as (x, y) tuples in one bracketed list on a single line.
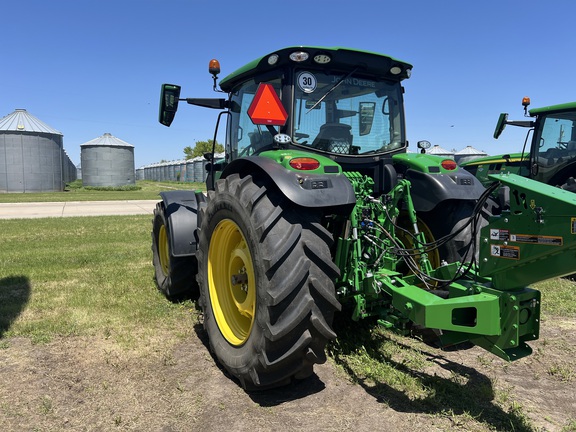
[(557, 139), (244, 137)]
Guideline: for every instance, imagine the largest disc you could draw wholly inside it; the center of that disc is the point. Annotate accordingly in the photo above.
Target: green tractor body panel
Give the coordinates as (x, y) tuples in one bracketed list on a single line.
[(538, 222), (483, 167), (285, 157), (400, 228)]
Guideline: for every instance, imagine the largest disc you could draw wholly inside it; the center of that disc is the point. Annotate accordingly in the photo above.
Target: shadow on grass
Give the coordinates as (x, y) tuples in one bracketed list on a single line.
[(466, 392), (14, 295)]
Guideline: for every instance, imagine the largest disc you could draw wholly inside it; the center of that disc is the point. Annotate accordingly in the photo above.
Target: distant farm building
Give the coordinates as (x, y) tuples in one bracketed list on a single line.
[(107, 161), (33, 157)]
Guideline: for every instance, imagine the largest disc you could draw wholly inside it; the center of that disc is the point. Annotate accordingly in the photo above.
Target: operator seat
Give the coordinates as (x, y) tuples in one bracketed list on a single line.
[(334, 137), (259, 140)]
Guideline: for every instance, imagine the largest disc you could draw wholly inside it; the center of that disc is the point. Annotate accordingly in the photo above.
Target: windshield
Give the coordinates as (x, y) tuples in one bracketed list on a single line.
[(347, 114)]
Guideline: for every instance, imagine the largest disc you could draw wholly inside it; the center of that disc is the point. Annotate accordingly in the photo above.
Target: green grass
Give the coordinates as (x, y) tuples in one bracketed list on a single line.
[(558, 297), (143, 190), (82, 277)]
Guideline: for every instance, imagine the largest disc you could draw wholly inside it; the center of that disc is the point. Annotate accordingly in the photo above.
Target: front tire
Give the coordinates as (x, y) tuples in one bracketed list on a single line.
[(266, 284), (175, 276)]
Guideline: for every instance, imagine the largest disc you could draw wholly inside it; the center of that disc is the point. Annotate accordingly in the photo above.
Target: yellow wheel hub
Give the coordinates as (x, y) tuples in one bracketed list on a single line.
[(164, 251), (408, 242), (231, 282)]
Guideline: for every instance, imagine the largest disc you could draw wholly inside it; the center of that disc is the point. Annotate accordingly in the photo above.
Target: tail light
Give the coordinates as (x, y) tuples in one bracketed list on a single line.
[(449, 164), (304, 163)]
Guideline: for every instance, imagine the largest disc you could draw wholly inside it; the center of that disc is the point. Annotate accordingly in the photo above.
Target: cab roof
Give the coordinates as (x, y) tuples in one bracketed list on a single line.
[(560, 107), (341, 60)]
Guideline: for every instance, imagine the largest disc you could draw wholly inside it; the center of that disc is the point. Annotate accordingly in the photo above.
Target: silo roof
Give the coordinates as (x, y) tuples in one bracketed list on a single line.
[(22, 121), (108, 140), (436, 149), (469, 150)]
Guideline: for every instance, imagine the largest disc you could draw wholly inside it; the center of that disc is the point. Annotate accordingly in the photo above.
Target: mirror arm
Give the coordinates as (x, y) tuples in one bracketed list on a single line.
[(521, 123), (208, 102)]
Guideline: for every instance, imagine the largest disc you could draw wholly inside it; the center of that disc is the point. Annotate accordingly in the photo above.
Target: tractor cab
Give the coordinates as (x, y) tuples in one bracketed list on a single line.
[(553, 154), (344, 104), (341, 103)]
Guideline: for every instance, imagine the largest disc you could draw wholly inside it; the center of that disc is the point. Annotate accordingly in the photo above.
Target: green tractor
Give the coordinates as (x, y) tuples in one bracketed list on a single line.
[(552, 155), (317, 208)]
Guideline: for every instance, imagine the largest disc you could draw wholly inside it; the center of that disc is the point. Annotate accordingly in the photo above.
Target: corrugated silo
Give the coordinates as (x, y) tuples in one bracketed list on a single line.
[(107, 161), (199, 173), (171, 171), (69, 173), (181, 173), (189, 170), (32, 155), (140, 173), (467, 154)]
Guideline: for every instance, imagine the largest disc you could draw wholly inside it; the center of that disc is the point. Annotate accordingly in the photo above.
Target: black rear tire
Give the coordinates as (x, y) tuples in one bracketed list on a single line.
[(266, 284), (175, 276), (445, 220)]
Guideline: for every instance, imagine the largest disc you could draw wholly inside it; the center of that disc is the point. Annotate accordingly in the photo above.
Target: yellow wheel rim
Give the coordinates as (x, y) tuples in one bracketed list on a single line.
[(164, 251), (231, 282), (408, 242)]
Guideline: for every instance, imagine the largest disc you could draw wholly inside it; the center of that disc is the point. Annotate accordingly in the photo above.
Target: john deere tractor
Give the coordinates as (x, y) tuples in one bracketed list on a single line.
[(551, 156), (317, 208)]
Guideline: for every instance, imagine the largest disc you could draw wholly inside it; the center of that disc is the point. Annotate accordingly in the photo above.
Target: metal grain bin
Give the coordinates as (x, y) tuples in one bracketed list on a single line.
[(199, 173), (107, 161), (189, 171), (467, 154), (140, 173), (181, 171), (31, 155), (171, 171)]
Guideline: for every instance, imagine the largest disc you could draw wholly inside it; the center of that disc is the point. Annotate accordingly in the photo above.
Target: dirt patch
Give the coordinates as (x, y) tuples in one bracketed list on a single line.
[(90, 384)]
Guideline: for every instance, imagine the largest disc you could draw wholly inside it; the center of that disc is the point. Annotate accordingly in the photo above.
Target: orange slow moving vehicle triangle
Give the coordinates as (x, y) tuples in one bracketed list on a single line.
[(266, 108)]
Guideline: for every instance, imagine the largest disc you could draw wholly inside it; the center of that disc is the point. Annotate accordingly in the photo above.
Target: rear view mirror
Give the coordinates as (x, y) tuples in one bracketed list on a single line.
[(169, 97), (500, 125), (366, 110)]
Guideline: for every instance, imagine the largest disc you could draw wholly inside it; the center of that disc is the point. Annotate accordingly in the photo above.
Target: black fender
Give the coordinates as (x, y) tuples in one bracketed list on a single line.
[(181, 211), (331, 191), (428, 190)]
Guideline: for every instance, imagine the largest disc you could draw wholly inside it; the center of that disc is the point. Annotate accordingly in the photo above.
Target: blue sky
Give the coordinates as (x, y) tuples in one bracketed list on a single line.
[(90, 67)]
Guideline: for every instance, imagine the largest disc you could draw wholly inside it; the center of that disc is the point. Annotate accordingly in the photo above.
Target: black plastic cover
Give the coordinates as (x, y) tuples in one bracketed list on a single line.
[(182, 219), (332, 192), (430, 189)]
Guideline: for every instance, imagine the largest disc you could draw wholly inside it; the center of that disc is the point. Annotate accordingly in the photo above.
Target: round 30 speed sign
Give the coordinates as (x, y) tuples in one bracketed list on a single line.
[(307, 82)]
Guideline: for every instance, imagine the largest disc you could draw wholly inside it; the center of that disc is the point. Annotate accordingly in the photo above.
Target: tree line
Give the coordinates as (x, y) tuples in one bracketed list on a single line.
[(200, 148)]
